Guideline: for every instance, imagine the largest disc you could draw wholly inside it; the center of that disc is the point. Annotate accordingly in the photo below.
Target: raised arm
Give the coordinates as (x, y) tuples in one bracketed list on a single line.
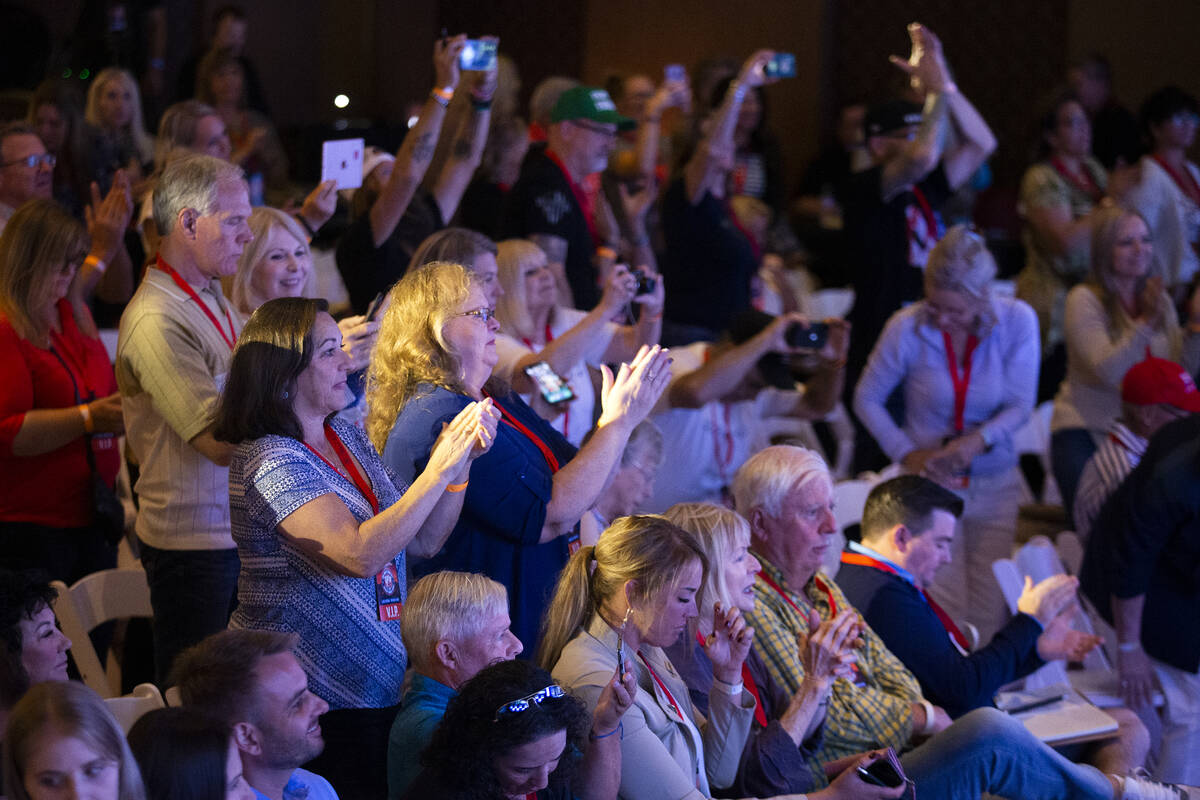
[(928, 73), (466, 148), (724, 373), (107, 271)]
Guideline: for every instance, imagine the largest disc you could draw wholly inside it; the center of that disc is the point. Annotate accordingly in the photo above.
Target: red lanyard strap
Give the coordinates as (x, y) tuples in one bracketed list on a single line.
[(231, 339), (960, 382), (359, 480), (661, 685), (726, 460), (508, 419), (760, 713), (926, 211), (585, 202), (956, 634), (819, 584), (1083, 183), (1186, 183)]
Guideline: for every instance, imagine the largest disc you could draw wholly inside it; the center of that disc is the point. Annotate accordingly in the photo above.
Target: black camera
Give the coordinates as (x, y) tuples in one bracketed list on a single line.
[(811, 338), (645, 283)]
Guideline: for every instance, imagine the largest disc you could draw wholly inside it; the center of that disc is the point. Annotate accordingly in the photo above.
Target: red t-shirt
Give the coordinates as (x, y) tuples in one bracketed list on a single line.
[(51, 489)]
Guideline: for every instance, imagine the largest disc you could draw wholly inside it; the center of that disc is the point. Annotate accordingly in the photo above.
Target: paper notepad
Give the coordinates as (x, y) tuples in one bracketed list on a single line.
[(1069, 719)]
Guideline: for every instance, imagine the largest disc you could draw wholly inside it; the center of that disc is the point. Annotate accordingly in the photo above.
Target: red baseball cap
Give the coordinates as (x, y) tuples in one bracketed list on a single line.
[(1157, 380)]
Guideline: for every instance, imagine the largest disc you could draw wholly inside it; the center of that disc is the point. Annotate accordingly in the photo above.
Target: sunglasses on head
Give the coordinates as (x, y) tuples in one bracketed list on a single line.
[(528, 701)]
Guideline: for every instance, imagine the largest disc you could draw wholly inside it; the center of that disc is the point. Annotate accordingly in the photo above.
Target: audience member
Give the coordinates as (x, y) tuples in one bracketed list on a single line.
[(1153, 392), (1115, 319), (551, 205), (483, 202), (541, 103), (435, 354), (61, 741), (60, 414), (473, 250), (534, 329), (321, 528), (454, 625), (724, 396), (32, 648), (176, 341), (119, 138), (1115, 140), (1140, 570), (513, 732), (56, 116), (254, 684), (230, 29), (630, 483), (966, 363), (26, 169), (1167, 194), (401, 201), (187, 755)]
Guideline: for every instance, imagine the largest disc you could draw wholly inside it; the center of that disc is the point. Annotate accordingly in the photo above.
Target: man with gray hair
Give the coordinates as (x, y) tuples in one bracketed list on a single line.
[(173, 352), (454, 625)]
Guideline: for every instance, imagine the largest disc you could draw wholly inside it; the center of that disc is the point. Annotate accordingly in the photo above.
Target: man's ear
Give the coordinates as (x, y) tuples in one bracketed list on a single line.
[(187, 221), (446, 654), (901, 538), (248, 738), (756, 519)]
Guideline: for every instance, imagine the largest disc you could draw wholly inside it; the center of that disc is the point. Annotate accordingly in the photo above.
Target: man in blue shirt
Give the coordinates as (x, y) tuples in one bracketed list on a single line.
[(454, 624), (252, 681)]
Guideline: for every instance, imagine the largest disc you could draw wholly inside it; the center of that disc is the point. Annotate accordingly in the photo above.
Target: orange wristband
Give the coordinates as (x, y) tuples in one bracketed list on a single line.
[(86, 413), (456, 487)]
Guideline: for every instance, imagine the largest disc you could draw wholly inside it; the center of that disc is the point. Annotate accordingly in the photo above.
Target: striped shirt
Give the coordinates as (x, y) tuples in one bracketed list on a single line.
[(876, 714), (171, 366), (1116, 457)]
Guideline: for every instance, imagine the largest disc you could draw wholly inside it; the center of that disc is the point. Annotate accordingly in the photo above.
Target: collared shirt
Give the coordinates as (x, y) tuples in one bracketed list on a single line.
[(1115, 458), (171, 366), (421, 709), (303, 785), (875, 714)]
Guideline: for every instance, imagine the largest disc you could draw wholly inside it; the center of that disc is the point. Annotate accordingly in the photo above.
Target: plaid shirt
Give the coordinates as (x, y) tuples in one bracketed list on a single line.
[(877, 713)]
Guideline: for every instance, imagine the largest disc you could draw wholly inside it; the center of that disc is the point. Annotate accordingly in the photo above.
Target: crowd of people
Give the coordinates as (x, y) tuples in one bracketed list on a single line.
[(520, 510)]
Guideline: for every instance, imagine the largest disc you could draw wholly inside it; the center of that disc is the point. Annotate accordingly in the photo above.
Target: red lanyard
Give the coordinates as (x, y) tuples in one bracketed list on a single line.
[(755, 248), (511, 421), (723, 461), (926, 212), (960, 382), (956, 635), (566, 415), (360, 480), (760, 713), (663, 686), (231, 339), (1186, 183), (819, 584), (1083, 183), (585, 202)]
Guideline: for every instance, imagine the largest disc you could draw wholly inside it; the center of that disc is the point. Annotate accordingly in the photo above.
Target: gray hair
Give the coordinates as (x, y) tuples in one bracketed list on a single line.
[(177, 128), (447, 605), (645, 437), (770, 474), (546, 94), (190, 181)]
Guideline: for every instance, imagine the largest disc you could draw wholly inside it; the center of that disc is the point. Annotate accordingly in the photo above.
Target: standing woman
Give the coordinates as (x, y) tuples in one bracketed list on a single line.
[(60, 413), (119, 137), (967, 363), (322, 528), (56, 114)]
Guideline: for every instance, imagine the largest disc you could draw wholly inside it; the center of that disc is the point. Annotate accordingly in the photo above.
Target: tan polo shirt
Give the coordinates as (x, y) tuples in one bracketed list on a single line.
[(171, 367)]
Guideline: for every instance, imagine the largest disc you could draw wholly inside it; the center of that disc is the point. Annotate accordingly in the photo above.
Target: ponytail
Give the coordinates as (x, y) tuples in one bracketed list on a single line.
[(571, 608)]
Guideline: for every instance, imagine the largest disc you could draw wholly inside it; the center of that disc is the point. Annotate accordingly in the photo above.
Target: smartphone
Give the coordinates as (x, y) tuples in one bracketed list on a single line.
[(478, 55), (373, 307), (674, 72), (880, 773), (811, 338), (781, 65), (553, 386)]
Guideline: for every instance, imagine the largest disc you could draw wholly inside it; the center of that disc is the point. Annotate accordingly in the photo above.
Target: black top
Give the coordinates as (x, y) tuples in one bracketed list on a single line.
[(912, 631), (368, 270), (482, 206), (1115, 135), (1146, 541), (709, 262), (542, 201)]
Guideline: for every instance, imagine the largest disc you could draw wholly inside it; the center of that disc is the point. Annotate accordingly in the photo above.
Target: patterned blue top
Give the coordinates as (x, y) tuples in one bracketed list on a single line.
[(352, 659)]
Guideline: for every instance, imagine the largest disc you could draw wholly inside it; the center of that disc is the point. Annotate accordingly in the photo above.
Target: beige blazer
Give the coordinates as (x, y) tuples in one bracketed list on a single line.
[(664, 756)]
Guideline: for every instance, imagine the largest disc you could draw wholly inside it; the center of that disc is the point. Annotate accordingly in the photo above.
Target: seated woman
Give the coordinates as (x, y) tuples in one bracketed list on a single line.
[(512, 732), (1121, 313), (61, 741), (967, 363), (535, 328), (322, 528), (629, 485), (617, 605), (435, 354), (185, 755), (32, 648)]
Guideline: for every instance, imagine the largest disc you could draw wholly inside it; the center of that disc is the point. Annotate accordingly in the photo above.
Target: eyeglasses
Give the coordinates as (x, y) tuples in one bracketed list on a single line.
[(594, 128), (33, 161), (553, 691), (484, 315)]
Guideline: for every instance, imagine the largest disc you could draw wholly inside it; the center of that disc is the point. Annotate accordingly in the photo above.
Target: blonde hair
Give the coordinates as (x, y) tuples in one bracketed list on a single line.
[(38, 241), (143, 142), (719, 532), (73, 710), (411, 348), (262, 221), (647, 549), (1106, 224), (961, 262), (514, 257), (447, 605), (770, 474)]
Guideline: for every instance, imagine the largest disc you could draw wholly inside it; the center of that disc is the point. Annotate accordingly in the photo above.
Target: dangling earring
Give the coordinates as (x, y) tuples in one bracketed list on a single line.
[(624, 622)]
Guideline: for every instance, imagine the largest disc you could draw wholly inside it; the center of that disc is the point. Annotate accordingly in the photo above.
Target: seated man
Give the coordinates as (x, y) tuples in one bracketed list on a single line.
[(454, 624), (252, 681), (907, 526)]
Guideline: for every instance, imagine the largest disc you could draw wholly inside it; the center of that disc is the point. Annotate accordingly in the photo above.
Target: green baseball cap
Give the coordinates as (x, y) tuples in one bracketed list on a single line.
[(589, 102)]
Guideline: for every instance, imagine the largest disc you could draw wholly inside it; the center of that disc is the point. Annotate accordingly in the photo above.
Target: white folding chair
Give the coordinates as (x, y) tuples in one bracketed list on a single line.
[(127, 709), (172, 697), (103, 596)]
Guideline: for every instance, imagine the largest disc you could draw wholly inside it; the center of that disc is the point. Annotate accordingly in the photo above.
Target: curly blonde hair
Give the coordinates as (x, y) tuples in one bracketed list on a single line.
[(411, 348)]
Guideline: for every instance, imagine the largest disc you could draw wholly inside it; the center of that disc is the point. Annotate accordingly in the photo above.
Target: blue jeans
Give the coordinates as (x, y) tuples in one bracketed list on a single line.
[(1070, 449), (192, 593), (986, 750)]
